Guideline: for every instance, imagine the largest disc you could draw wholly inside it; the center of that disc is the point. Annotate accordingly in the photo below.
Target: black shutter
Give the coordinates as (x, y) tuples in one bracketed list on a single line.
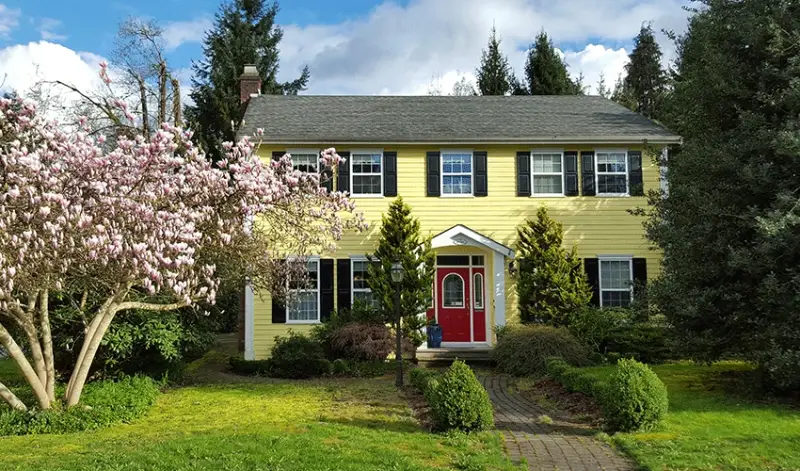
[(639, 274), (343, 179), (523, 174), (587, 170), (276, 155), (479, 173), (592, 268), (635, 181), (343, 281), (390, 174), (326, 288), (571, 173), (434, 175), (278, 305)]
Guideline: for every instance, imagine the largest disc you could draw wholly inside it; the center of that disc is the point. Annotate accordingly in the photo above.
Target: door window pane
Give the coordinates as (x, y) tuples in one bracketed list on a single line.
[(453, 291)]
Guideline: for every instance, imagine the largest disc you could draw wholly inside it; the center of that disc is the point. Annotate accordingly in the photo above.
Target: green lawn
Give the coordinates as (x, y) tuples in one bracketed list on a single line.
[(251, 424), (707, 429)]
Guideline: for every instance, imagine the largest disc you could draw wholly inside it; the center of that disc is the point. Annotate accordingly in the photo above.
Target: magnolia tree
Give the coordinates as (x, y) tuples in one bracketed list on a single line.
[(151, 225)]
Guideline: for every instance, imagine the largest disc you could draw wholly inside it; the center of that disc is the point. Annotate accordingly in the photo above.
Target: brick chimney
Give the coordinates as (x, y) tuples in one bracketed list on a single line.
[(249, 83)]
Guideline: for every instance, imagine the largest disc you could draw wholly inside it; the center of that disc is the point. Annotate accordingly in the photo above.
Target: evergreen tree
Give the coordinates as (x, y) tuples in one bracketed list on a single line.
[(602, 88), (551, 284), (645, 79), (400, 240), (622, 94), (244, 32), (729, 226), (545, 71), (494, 74)]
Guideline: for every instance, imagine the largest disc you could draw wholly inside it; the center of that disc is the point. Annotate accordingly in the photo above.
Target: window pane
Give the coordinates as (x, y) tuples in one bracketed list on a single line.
[(366, 185), (453, 289), (477, 260), (461, 185), (615, 274), (611, 183), (453, 260), (303, 306), (360, 274), (477, 287), (611, 162), (457, 163), (547, 184), (547, 163), (366, 163), (305, 162), (616, 298)]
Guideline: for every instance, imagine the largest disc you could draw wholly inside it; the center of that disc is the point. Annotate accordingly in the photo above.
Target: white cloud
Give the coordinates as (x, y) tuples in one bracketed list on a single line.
[(178, 33), (9, 19), (399, 49), (48, 27)]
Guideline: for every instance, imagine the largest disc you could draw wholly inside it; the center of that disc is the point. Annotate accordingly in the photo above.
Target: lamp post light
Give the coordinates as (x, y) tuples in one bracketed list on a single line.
[(397, 278)]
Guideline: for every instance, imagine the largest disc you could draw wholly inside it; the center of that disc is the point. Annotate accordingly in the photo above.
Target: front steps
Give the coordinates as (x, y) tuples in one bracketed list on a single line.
[(448, 354)]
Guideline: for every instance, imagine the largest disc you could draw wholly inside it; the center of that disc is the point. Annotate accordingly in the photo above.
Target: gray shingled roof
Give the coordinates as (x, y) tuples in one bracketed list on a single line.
[(446, 119)]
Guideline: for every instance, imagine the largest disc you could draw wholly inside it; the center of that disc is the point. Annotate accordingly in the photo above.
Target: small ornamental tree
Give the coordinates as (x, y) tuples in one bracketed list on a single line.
[(400, 240), (150, 225), (550, 281)]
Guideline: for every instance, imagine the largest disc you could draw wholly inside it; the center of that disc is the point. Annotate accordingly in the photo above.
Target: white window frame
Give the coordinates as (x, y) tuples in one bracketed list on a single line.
[(463, 292), (614, 258), (352, 174), (314, 260), (560, 174), (471, 174), (353, 290), (597, 152), (317, 152)]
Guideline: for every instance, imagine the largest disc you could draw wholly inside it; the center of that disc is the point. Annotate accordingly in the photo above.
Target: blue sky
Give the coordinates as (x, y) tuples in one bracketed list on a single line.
[(352, 46)]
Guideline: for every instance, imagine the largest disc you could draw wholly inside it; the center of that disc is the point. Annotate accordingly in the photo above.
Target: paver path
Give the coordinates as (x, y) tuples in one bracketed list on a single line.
[(562, 445)]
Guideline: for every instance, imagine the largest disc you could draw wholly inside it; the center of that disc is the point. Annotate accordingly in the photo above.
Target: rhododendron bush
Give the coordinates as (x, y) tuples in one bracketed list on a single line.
[(151, 224)]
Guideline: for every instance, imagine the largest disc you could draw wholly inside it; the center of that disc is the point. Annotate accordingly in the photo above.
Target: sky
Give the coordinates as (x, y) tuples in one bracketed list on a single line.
[(359, 47)]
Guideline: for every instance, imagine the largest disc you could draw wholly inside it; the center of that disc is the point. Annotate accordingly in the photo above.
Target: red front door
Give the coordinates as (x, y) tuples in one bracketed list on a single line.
[(453, 303)]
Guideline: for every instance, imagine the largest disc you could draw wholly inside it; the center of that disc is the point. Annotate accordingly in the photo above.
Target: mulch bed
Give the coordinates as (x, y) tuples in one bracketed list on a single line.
[(580, 407), (419, 406)]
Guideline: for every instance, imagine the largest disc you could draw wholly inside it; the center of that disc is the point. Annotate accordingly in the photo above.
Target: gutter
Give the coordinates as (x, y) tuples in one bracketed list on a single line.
[(609, 140)]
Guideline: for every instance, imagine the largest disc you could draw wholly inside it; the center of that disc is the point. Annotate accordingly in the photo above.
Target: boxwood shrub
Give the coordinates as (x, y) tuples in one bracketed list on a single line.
[(523, 350), (458, 401), (297, 357), (635, 399), (421, 377)]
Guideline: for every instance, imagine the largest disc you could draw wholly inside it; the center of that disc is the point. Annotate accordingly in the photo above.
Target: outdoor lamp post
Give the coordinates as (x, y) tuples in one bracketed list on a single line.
[(397, 278)]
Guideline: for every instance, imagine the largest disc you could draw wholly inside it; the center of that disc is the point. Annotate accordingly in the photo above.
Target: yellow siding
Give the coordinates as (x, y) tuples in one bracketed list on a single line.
[(599, 225)]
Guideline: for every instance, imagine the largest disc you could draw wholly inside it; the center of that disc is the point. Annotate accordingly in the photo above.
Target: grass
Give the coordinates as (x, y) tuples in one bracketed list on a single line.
[(261, 424), (709, 429)]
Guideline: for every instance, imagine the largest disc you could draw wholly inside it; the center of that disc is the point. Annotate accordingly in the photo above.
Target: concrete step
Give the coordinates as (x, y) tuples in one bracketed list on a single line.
[(447, 355)]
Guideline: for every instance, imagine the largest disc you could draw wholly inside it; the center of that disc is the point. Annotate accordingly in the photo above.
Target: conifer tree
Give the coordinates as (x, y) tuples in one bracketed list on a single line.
[(645, 79), (494, 74), (545, 71), (602, 87), (401, 240), (550, 283)]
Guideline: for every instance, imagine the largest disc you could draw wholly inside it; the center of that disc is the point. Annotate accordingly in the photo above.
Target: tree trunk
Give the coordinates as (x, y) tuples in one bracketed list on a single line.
[(47, 345), (18, 356), (176, 102), (11, 399), (162, 93), (88, 351), (143, 98), (36, 349)]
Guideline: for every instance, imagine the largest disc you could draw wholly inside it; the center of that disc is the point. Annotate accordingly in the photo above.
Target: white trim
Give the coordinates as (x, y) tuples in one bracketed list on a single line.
[(483, 290), (249, 322), (463, 291), (305, 151), (632, 140), (597, 152), (318, 320), (366, 152), (471, 174), (614, 258), (465, 344), (499, 268), (560, 174), (461, 235)]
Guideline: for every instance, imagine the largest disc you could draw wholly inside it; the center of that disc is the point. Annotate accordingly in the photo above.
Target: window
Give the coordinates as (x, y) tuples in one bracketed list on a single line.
[(452, 260), (477, 260), (367, 173), (616, 282), (548, 173), (361, 290), (477, 287), (612, 172), (453, 291), (303, 303), (456, 173), (305, 160)]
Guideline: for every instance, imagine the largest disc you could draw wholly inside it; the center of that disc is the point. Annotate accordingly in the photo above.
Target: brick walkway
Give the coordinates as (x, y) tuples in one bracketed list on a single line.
[(561, 445)]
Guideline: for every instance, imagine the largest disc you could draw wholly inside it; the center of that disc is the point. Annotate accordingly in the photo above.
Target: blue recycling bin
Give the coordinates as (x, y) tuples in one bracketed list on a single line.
[(434, 336)]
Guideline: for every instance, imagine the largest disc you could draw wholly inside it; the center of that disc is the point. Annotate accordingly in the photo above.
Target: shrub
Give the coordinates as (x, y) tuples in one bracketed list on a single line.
[(635, 399), (362, 342), (341, 367), (574, 379), (522, 350), (593, 326), (458, 401), (243, 367), (421, 377), (104, 403), (297, 357), (360, 312)]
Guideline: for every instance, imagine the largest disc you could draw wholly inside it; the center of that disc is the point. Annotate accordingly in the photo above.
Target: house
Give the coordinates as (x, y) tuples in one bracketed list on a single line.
[(472, 169)]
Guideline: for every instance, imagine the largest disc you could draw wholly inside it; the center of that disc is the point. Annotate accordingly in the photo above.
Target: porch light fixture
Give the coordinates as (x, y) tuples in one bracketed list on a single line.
[(397, 277), (397, 272)]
